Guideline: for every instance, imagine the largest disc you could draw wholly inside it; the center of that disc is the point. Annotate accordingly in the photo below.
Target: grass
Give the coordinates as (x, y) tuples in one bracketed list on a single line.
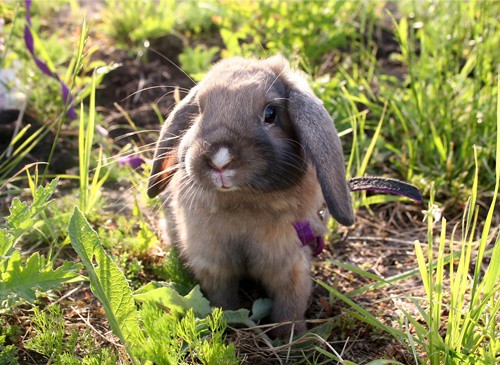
[(52, 340), (420, 104)]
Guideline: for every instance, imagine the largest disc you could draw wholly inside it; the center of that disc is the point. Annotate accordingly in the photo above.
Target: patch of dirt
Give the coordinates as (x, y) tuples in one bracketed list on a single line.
[(131, 90), (381, 243), (63, 158)]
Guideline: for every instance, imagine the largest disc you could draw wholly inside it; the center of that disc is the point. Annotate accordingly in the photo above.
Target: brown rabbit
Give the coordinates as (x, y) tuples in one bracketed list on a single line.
[(248, 152)]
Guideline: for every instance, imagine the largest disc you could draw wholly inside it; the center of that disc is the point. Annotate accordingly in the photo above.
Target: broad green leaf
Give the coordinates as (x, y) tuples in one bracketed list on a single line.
[(323, 330), (150, 286), (261, 308), (169, 298), (22, 280), (107, 282), (239, 317)]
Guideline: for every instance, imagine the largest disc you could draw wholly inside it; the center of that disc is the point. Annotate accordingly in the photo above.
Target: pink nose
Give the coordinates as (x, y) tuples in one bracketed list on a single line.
[(220, 159)]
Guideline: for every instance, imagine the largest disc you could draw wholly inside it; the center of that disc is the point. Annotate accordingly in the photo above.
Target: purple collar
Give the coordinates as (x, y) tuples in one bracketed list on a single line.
[(308, 238)]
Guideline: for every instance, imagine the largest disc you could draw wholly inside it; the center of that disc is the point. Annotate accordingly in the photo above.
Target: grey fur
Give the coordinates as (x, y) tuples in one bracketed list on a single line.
[(318, 136), (237, 222)]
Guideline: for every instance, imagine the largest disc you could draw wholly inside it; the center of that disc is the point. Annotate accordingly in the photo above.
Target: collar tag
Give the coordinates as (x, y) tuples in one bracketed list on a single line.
[(307, 237)]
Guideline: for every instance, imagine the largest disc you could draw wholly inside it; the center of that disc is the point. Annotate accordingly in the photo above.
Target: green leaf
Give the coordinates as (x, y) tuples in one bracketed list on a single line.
[(323, 330), (23, 217), (261, 308), (362, 314), (6, 243), (168, 297), (23, 279), (239, 317), (107, 282), (309, 338)]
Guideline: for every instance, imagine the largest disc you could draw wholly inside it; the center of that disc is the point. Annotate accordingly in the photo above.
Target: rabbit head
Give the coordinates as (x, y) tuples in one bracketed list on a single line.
[(252, 126)]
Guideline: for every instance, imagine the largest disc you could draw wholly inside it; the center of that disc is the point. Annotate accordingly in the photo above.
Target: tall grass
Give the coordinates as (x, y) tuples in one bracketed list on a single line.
[(457, 321), (448, 105), (90, 190)]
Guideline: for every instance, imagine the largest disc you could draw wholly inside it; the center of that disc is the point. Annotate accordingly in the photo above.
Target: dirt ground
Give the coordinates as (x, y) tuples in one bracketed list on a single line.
[(381, 242)]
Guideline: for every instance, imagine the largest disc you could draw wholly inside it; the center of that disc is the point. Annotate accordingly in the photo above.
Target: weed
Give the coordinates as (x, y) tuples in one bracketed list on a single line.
[(132, 22), (419, 125), (51, 339), (89, 191), (305, 28), (8, 352), (173, 269), (112, 289), (448, 104), (196, 61), (21, 277)]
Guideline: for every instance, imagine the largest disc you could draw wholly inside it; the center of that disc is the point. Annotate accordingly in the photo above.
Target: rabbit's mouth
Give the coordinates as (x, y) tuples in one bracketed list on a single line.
[(223, 180)]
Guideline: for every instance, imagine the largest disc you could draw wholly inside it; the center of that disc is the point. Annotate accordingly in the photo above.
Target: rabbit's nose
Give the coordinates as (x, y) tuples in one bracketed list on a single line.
[(220, 159)]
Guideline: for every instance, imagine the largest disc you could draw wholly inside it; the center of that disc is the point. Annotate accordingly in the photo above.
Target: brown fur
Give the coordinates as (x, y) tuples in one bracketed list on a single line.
[(244, 227)]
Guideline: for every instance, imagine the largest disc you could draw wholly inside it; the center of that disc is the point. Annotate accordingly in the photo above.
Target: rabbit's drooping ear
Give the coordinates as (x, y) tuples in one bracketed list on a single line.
[(317, 134), (165, 159)]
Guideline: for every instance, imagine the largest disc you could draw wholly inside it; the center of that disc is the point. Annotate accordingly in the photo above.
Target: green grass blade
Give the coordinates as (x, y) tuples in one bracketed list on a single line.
[(439, 281), (363, 315), (422, 266), (489, 217), (372, 144), (83, 168)]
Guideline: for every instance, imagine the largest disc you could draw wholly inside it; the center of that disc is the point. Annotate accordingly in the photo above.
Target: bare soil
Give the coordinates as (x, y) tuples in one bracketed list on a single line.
[(380, 242)]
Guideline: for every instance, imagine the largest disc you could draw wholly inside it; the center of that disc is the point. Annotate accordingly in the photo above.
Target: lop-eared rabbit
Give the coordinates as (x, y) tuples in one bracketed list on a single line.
[(247, 154)]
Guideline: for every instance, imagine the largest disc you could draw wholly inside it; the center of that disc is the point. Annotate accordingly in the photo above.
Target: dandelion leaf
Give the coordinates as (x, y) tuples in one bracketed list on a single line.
[(6, 243), (22, 279), (261, 308), (107, 282), (239, 317), (168, 297), (23, 216)]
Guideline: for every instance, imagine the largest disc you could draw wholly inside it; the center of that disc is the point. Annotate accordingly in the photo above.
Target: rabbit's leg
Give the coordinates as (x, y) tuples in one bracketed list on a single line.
[(220, 286), (290, 287)]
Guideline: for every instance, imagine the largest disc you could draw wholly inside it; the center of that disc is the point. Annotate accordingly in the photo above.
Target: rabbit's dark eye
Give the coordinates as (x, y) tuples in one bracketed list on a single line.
[(269, 114)]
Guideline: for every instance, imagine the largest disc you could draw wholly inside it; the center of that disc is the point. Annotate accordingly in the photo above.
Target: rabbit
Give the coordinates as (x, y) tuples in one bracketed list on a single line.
[(248, 152)]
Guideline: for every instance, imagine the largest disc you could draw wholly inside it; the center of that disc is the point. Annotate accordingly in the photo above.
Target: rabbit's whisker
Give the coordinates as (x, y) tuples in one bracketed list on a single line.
[(159, 100), (276, 79), (171, 62), (151, 88), (131, 134)]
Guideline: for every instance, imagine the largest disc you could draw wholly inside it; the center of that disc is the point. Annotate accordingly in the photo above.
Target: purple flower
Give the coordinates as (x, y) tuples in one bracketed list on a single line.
[(132, 161), (30, 44)]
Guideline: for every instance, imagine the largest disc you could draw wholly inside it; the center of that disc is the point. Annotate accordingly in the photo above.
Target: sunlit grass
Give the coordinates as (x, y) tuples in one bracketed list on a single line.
[(457, 321), (432, 124)]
